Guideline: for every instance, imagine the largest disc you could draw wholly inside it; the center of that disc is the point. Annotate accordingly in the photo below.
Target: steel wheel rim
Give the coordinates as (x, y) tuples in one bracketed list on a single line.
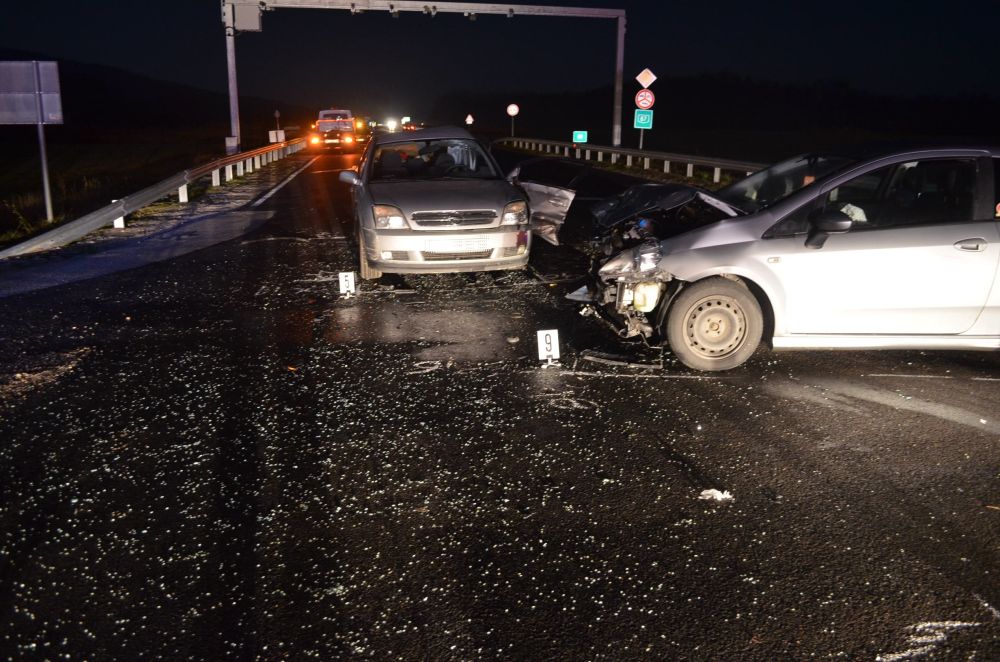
[(715, 327)]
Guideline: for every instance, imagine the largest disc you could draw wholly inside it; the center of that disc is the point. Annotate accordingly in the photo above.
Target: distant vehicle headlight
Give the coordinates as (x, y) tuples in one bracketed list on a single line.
[(387, 216), (515, 213)]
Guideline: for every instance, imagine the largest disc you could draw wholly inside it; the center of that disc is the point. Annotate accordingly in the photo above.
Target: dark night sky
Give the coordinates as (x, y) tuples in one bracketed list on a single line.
[(327, 57)]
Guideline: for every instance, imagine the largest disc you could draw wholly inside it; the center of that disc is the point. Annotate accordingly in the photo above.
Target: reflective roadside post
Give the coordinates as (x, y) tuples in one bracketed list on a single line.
[(512, 110)]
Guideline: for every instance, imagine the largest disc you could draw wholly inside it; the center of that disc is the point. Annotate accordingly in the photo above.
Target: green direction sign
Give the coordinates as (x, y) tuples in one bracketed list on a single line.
[(579, 136), (643, 119)]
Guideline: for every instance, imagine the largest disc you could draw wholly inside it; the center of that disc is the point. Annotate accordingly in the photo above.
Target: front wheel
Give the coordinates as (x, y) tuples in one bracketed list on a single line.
[(714, 324), (367, 271)]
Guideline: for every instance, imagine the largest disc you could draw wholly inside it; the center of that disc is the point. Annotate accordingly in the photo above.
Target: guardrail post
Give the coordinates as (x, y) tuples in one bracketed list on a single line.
[(182, 193), (666, 166), (216, 179), (119, 222), (229, 172), (240, 168), (690, 170), (600, 156), (587, 152), (628, 160), (249, 166), (717, 175), (577, 152), (645, 163), (614, 158), (565, 151), (256, 162)]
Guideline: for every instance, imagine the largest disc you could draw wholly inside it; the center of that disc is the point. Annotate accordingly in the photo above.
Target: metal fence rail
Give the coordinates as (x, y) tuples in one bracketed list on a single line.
[(587, 151), (228, 167)]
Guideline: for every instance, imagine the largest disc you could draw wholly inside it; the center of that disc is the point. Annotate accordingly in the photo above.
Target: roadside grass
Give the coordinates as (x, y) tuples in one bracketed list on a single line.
[(85, 177)]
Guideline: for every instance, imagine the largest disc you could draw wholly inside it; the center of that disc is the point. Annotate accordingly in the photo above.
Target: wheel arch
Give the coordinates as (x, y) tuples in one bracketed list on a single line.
[(756, 289)]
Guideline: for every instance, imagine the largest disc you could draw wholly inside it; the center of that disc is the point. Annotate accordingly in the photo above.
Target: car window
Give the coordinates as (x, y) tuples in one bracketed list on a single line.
[(431, 159), (914, 193), (775, 183)]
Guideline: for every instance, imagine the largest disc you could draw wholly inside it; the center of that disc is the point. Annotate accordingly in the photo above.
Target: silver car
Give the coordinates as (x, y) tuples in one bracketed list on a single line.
[(886, 250), (434, 201)]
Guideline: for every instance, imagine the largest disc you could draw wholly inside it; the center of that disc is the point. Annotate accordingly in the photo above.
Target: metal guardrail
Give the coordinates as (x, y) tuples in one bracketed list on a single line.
[(586, 151), (235, 165)]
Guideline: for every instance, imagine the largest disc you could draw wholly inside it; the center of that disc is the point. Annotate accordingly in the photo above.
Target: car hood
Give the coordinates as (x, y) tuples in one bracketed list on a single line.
[(444, 194), (645, 197)]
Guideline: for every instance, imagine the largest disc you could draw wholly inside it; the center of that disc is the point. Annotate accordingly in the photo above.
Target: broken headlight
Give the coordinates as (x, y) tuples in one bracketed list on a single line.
[(640, 260)]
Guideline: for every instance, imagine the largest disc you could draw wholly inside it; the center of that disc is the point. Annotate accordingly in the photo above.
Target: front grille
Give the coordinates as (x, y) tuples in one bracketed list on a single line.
[(432, 256), (511, 251), (453, 218)]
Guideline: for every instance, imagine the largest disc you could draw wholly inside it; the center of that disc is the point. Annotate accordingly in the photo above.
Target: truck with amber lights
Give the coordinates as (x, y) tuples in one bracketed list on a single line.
[(435, 201)]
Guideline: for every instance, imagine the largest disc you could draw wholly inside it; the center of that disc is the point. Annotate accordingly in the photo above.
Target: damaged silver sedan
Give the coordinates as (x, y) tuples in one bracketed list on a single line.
[(889, 250)]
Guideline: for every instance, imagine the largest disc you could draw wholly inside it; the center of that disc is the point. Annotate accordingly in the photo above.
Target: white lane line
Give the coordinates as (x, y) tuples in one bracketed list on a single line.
[(912, 376), (986, 379), (602, 375), (279, 186)]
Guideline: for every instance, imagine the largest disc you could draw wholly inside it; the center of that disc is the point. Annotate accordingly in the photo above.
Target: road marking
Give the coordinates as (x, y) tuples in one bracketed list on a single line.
[(912, 376), (282, 184)]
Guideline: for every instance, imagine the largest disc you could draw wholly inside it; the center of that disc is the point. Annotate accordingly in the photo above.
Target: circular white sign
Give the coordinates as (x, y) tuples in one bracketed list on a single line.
[(645, 99), (513, 109)]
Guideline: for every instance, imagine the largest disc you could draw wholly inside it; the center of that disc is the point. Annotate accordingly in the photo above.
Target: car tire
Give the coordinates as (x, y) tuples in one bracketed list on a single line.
[(714, 324), (365, 269)]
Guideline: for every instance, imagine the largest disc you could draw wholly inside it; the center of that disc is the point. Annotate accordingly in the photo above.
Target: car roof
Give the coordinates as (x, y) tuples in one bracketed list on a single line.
[(434, 133), (878, 150)]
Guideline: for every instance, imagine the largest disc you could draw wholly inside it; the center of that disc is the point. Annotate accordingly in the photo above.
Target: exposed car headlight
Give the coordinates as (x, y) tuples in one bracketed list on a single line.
[(348, 139), (648, 256), (314, 140), (515, 213), (641, 259), (387, 216)]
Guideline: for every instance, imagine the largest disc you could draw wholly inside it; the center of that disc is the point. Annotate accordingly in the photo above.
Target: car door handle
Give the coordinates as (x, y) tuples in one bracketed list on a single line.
[(974, 245)]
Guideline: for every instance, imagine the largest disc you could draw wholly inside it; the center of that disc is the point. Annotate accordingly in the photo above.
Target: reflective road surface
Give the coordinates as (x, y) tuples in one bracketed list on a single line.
[(216, 456)]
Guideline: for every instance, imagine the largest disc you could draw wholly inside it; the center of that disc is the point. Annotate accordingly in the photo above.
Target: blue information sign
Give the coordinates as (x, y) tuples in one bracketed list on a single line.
[(643, 119), (579, 136)]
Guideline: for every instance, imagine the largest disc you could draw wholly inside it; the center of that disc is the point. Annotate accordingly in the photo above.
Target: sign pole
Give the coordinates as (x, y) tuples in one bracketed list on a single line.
[(641, 132), (41, 143), (232, 145)]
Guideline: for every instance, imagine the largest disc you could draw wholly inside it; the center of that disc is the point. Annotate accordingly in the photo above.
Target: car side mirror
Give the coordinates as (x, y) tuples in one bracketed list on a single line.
[(349, 177), (829, 222)]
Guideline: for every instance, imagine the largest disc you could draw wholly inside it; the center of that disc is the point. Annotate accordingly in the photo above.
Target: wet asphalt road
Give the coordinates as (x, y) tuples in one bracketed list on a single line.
[(215, 456)]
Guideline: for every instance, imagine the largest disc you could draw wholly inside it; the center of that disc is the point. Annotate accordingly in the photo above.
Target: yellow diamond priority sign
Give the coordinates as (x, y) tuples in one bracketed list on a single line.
[(646, 77)]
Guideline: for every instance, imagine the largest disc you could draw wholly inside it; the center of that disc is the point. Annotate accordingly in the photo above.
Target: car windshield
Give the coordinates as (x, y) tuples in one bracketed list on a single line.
[(776, 182), (432, 159), (325, 126)]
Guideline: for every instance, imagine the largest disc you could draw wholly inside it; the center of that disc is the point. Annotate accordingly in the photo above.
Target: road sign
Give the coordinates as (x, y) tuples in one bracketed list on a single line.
[(579, 136), (646, 77), (643, 119), (513, 109), (469, 119), (645, 99)]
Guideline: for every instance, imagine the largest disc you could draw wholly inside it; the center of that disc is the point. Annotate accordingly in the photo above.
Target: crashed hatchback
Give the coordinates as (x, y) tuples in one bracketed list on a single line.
[(895, 249)]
